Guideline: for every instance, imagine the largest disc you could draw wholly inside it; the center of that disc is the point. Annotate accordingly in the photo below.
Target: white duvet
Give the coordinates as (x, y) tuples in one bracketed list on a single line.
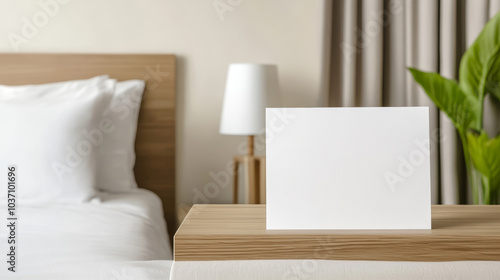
[(107, 232)]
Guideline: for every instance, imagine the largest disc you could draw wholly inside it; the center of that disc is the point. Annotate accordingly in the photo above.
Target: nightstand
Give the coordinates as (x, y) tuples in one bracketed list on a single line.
[(238, 232)]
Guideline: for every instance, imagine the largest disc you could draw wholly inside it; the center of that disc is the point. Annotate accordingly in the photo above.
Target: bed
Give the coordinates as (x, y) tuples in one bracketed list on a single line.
[(113, 235), (112, 229)]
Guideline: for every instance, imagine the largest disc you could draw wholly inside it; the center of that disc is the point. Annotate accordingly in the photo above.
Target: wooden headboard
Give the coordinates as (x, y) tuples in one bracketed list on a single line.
[(155, 142)]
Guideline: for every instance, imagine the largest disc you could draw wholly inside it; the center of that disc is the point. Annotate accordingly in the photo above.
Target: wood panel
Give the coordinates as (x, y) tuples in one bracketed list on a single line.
[(238, 232), (155, 141)]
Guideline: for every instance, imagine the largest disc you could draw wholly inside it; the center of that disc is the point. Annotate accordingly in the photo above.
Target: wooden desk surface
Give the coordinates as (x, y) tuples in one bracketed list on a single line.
[(238, 232)]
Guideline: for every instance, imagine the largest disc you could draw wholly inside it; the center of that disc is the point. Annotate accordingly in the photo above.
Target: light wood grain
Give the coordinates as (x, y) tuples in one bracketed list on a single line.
[(250, 145), (238, 232), (155, 141)]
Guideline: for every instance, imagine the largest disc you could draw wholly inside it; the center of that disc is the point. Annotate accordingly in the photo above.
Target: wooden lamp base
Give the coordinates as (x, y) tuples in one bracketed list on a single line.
[(255, 175)]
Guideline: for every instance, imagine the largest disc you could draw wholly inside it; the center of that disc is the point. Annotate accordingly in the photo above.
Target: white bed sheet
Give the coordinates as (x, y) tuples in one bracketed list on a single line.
[(333, 270), (133, 270), (112, 228)]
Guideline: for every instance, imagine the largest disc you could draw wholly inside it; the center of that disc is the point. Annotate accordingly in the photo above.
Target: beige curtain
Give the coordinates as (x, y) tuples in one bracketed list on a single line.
[(372, 42)]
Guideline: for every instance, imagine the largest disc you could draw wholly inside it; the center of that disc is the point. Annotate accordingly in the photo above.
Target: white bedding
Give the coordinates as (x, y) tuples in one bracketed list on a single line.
[(334, 270), (129, 270), (114, 228)]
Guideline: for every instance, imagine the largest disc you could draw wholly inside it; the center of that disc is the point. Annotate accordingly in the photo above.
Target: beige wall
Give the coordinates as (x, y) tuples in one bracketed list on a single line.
[(284, 32)]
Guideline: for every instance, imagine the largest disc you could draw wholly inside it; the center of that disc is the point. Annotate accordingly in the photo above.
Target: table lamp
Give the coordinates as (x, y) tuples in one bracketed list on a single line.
[(250, 88)]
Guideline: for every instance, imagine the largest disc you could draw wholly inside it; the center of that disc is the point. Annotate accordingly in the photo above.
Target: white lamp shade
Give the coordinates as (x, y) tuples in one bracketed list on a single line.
[(250, 88)]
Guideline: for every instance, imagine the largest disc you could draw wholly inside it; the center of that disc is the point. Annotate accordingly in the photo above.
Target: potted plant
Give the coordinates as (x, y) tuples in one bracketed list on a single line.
[(463, 103)]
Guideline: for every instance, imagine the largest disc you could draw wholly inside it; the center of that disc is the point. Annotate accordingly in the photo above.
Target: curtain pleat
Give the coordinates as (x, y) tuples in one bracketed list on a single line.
[(427, 60), (450, 156), (380, 39), (371, 54), (394, 71), (350, 50), (411, 29), (494, 7)]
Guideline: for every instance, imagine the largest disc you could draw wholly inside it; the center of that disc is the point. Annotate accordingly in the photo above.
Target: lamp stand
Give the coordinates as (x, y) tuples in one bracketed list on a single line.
[(250, 145), (255, 175)]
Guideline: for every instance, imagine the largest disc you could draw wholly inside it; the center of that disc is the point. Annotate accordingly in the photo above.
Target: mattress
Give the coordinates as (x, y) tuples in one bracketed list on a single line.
[(114, 228)]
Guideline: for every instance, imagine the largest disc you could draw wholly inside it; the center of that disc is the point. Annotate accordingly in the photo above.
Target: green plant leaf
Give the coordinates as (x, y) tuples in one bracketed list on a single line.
[(494, 89), (461, 107), (480, 65), (485, 154)]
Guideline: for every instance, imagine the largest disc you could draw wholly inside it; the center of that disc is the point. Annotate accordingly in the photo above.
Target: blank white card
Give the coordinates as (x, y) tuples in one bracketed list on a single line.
[(348, 168)]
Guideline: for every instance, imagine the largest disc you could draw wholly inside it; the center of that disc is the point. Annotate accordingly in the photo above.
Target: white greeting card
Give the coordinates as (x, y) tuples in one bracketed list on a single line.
[(348, 168)]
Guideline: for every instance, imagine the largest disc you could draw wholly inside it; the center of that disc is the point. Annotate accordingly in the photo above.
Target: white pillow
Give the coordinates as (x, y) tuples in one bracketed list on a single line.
[(45, 132), (116, 158)]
